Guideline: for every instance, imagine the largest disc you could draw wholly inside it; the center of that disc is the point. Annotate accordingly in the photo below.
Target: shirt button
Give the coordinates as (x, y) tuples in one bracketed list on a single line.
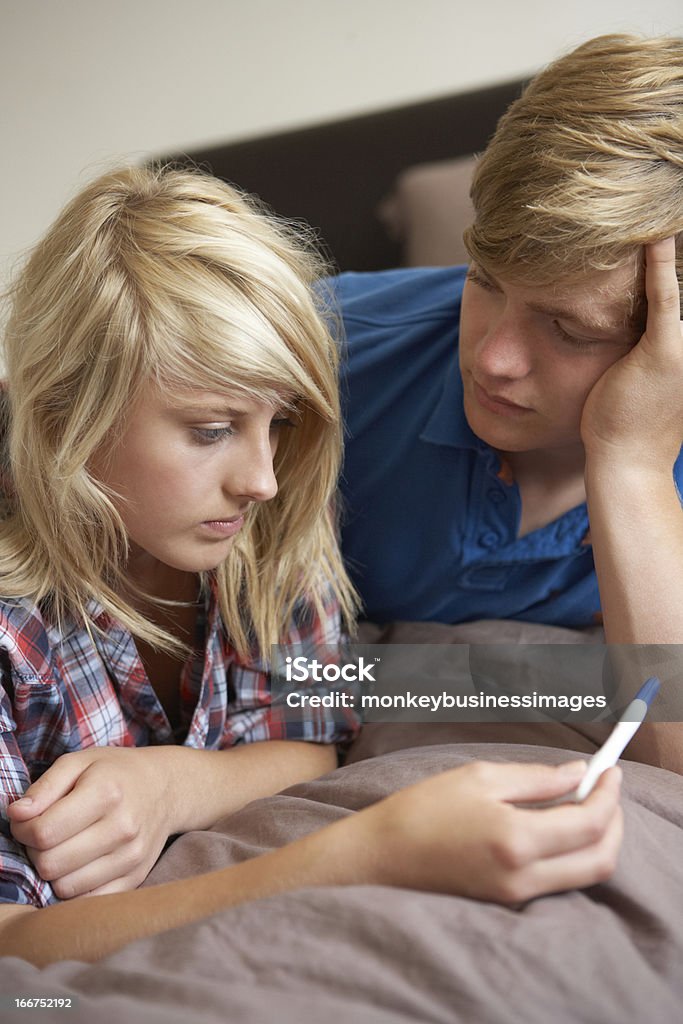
[(489, 540), (496, 496)]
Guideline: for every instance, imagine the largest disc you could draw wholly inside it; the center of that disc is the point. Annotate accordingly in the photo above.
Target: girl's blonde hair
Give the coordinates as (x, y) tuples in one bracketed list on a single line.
[(587, 166), (169, 276)]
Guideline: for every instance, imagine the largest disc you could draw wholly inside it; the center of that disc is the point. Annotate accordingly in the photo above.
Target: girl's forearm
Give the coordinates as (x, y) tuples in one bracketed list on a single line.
[(89, 928), (455, 832), (208, 785)]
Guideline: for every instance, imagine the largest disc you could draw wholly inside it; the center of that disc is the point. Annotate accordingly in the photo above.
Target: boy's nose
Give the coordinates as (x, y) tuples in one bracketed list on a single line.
[(505, 351)]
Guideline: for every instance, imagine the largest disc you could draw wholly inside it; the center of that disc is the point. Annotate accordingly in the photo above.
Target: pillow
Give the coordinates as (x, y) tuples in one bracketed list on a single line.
[(428, 210)]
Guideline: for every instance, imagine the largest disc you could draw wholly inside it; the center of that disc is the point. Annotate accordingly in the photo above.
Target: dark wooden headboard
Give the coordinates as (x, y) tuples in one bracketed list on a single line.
[(333, 175)]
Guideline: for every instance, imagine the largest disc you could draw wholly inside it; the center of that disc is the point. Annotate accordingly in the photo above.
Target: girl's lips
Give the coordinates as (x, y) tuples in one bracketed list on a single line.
[(224, 527), (502, 406)]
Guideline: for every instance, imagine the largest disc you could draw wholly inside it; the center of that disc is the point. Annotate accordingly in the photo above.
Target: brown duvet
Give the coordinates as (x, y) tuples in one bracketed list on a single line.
[(612, 953)]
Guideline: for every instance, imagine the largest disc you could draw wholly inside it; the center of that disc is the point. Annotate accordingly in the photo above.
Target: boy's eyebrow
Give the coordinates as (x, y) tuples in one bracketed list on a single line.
[(616, 318), (600, 323)]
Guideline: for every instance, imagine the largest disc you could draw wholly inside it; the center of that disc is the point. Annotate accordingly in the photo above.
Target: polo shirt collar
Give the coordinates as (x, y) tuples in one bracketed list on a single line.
[(448, 424)]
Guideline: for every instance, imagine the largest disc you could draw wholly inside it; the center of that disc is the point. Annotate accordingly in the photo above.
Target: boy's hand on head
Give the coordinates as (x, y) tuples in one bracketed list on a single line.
[(634, 412), (96, 821)]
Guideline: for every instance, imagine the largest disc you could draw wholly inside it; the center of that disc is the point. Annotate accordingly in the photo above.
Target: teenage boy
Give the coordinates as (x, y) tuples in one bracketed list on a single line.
[(515, 429)]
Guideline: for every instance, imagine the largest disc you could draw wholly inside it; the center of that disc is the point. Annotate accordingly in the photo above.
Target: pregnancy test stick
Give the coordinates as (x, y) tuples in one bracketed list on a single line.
[(624, 731)]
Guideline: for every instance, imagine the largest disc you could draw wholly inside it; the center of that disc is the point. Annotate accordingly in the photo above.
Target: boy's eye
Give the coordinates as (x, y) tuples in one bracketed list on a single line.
[(572, 339), (482, 282)]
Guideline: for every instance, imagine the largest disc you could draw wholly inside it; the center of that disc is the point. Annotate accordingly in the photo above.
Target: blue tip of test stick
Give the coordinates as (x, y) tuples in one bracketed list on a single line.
[(648, 690)]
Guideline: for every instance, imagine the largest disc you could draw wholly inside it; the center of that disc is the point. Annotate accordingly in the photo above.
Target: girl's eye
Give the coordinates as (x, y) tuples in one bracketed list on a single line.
[(572, 339), (281, 421), (213, 435), (209, 435)]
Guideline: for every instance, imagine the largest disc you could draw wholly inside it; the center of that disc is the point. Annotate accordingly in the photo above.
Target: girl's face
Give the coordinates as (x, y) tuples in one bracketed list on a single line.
[(186, 468)]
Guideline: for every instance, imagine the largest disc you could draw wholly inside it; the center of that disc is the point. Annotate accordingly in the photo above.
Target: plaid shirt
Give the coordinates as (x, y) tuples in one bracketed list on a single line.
[(67, 691)]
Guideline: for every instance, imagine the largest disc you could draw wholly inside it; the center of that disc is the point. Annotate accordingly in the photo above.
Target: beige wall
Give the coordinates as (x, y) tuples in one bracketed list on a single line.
[(88, 82)]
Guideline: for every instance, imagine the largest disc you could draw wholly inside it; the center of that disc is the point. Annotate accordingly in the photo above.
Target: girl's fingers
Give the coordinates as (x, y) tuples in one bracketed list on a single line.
[(111, 869), (553, 832), (68, 816), (525, 783), (57, 781), (577, 869), (88, 846)]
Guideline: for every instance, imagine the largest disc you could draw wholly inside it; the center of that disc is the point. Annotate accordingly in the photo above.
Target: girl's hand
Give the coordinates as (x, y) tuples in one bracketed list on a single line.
[(96, 821), (461, 832), (634, 412)]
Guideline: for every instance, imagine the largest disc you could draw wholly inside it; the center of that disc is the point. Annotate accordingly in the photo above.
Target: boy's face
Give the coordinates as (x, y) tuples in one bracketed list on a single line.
[(530, 354)]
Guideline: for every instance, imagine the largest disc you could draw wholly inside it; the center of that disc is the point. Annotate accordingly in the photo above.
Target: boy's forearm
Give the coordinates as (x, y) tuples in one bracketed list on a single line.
[(637, 534)]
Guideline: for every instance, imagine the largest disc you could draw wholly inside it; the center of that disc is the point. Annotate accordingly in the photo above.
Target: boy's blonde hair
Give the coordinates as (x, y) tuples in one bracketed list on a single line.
[(173, 277), (587, 165)]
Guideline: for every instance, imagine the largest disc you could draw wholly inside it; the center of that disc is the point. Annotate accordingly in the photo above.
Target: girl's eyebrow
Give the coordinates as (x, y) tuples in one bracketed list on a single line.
[(221, 412), (224, 412)]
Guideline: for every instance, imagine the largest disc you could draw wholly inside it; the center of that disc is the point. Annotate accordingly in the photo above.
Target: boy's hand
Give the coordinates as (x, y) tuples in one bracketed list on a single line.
[(461, 832), (634, 412), (96, 821)]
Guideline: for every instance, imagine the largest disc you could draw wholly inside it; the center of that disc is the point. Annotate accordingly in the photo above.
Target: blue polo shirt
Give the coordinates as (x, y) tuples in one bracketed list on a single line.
[(430, 516)]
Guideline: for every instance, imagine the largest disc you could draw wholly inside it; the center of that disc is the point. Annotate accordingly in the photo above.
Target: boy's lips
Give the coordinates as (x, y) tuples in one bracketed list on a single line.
[(497, 403)]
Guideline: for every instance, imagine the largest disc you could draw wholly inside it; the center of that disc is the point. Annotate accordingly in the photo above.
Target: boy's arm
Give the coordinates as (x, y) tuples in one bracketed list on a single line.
[(632, 429)]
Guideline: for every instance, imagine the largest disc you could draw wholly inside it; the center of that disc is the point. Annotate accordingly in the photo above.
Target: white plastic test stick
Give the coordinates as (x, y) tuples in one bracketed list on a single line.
[(624, 731)]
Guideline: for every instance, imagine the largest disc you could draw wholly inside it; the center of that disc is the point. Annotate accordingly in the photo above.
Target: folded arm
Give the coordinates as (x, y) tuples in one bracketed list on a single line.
[(98, 819), (458, 832)]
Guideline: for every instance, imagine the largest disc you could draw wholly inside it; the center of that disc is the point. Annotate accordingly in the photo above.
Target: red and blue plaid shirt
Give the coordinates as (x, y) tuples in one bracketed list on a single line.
[(67, 691)]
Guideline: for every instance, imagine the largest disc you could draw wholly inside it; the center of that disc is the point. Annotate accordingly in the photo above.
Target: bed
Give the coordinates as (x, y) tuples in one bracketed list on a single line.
[(375, 189)]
